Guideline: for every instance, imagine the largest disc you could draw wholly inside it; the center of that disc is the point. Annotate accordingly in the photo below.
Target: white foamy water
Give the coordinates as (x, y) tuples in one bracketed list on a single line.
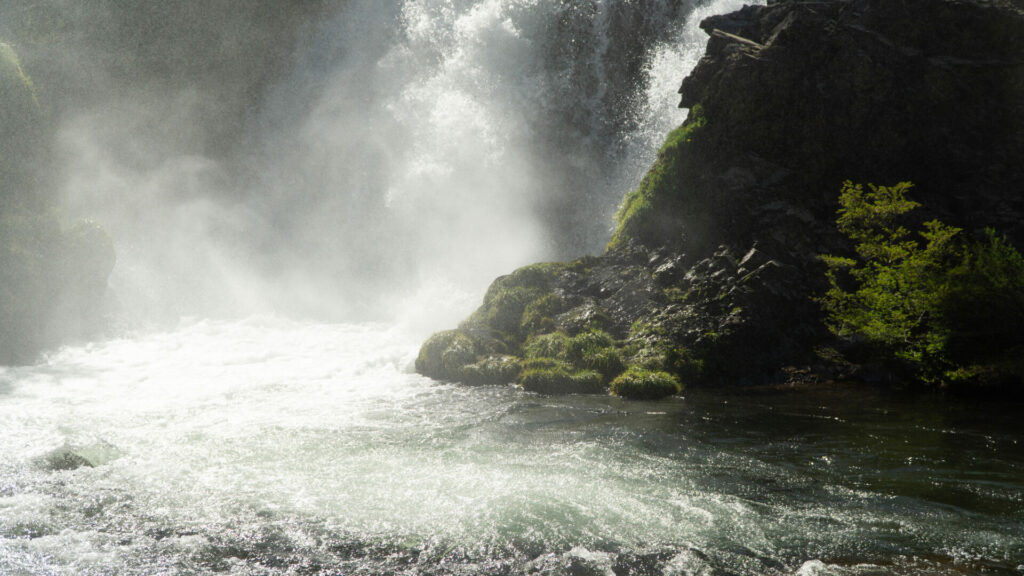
[(267, 446)]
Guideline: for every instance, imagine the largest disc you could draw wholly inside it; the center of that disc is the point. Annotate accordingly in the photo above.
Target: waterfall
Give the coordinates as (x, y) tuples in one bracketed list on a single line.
[(408, 149)]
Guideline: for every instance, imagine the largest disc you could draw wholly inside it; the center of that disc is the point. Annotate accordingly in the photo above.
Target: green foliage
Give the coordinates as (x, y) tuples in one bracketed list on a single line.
[(983, 303), (595, 350), (641, 384), (642, 213), (930, 300)]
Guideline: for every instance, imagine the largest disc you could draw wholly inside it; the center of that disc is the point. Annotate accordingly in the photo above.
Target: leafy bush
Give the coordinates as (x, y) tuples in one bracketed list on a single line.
[(640, 384), (937, 303)]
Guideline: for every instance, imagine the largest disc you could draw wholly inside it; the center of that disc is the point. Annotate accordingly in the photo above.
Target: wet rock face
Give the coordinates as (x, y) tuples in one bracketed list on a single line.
[(928, 91), (713, 271)]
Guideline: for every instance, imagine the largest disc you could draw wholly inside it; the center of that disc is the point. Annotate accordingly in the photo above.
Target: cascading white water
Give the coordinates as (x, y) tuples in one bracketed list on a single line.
[(408, 145), (273, 447)]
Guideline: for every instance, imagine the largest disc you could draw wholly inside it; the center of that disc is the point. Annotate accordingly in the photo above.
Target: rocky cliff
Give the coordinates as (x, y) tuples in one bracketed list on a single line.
[(712, 272), (53, 274)]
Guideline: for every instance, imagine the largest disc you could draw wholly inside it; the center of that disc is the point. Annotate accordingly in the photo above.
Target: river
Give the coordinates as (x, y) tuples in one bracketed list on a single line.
[(267, 446)]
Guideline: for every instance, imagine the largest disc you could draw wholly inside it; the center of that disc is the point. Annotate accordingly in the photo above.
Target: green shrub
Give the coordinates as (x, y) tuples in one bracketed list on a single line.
[(983, 303), (542, 364), (937, 303), (639, 384), (607, 362)]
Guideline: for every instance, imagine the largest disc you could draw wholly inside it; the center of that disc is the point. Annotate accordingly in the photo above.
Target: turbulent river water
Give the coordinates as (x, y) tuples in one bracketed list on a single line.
[(267, 446)]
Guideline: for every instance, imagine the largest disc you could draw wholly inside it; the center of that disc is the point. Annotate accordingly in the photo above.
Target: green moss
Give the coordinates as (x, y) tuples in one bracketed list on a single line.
[(556, 377), (648, 346), (640, 384), (519, 304), (582, 265), (553, 345), (605, 361), (584, 318), (535, 278), (504, 311), (492, 370), (588, 343), (445, 354), (642, 215), (543, 363), (590, 351), (538, 316)]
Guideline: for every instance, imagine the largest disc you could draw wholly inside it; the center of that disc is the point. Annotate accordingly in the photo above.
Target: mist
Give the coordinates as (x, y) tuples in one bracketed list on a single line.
[(350, 160)]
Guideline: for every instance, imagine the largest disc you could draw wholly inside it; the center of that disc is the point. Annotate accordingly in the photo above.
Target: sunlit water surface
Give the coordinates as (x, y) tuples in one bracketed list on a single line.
[(272, 447)]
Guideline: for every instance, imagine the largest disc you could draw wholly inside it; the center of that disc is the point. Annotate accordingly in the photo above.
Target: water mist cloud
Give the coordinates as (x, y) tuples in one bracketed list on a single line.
[(402, 148)]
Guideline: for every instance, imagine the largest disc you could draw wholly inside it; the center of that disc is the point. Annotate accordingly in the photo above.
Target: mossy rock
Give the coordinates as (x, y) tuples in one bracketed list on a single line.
[(587, 343), (588, 316), (538, 315), (519, 304), (445, 354), (607, 362), (553, 345), (551, 376), (498, 369), (648, 213), (591, 351), (641, 384)]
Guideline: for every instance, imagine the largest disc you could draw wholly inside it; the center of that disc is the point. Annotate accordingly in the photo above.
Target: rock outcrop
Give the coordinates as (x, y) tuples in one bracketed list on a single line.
[(53, 275), (712, 272)]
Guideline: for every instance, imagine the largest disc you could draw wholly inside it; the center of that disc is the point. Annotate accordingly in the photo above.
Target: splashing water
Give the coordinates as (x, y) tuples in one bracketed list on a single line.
[(409, 144), (272, 447), (421, 148)]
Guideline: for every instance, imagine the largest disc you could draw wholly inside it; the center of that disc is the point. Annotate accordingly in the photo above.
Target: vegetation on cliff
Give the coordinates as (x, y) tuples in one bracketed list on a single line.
[(950, 309), (526, 332)]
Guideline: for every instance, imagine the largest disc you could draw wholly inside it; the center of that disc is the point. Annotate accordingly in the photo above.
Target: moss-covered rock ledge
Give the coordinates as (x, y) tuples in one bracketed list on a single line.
[(636, 322), (712, 273)]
